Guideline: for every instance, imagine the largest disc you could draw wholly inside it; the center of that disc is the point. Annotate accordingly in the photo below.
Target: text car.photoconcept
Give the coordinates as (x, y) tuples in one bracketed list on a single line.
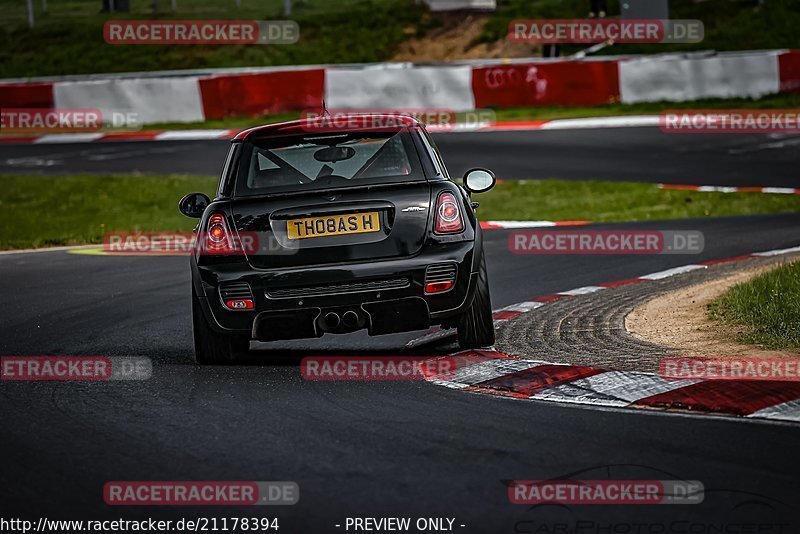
[(332, 226)]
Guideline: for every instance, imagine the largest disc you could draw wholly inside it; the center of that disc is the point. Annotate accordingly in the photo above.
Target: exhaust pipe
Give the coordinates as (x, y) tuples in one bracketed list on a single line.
[(350, 319), (331, 320)]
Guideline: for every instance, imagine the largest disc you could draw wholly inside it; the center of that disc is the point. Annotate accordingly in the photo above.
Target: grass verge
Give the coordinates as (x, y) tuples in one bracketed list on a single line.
[(767, 306), (38, 211), (559, 200)]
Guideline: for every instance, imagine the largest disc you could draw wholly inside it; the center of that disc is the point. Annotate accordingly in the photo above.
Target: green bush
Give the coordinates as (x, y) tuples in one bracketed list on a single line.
[(729, 24)]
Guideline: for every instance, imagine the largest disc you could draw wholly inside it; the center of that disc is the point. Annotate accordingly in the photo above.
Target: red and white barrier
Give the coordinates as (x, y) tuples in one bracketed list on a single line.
[(676, 79), (147, 100), (790, 71), (578, 83), (385, 87), (254, 95), (232, 93), (26, 95)]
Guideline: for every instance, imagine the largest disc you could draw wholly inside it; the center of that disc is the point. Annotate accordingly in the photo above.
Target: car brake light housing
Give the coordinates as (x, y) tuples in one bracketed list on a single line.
[(440, 278), (449, 219), (237, 296), (217, 238), (432, 288)]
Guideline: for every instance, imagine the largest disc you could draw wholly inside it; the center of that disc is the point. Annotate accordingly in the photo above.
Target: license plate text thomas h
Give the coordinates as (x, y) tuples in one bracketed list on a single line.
[(349, 223)]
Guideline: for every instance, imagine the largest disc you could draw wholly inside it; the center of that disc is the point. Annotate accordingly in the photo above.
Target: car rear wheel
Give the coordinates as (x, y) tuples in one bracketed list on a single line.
[(211, 347), (476, 326)]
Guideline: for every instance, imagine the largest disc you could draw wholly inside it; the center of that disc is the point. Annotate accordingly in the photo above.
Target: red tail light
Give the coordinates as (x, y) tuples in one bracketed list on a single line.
[(448, 215), (218, 239), (438, 287), (440, 278)]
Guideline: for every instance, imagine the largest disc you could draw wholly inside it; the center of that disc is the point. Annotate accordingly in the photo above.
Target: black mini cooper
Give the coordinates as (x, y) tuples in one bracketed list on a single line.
[(335, 225)]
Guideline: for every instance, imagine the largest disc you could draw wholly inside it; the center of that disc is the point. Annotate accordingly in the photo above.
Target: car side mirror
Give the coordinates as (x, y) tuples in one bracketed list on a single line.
[(194, 204), (479, 180)]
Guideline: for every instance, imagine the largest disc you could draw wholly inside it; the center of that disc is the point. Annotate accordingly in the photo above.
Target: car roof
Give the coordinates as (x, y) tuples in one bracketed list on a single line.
[(351, 122)]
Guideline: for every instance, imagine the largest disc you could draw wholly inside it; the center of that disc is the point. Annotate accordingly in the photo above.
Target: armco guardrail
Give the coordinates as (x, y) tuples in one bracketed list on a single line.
[(184, 97)]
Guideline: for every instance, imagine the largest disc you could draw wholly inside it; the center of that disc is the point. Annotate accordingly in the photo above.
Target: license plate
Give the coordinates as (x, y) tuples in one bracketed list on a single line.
[(348, 223)]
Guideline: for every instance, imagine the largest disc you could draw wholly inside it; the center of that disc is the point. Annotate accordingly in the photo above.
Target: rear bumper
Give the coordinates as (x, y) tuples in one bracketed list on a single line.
[(293, 303)]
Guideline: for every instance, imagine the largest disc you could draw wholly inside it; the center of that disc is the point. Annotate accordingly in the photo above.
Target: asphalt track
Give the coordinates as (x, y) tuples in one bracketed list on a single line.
[(643, 154), (383, 448), (356, 448)]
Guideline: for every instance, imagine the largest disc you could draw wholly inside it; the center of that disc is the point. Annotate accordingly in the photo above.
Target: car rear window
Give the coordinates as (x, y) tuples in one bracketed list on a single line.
[(298, 163)]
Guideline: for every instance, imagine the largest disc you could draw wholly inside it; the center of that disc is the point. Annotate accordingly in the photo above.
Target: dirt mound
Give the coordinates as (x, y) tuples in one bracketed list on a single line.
[(679, 319), (457, 39)]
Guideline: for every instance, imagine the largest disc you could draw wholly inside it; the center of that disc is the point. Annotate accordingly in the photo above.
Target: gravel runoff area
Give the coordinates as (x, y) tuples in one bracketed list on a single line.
[(590, 329)]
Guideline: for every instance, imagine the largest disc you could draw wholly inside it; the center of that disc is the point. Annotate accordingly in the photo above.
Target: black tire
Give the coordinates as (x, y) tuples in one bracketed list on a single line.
[(476, 326), (211, 347)]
